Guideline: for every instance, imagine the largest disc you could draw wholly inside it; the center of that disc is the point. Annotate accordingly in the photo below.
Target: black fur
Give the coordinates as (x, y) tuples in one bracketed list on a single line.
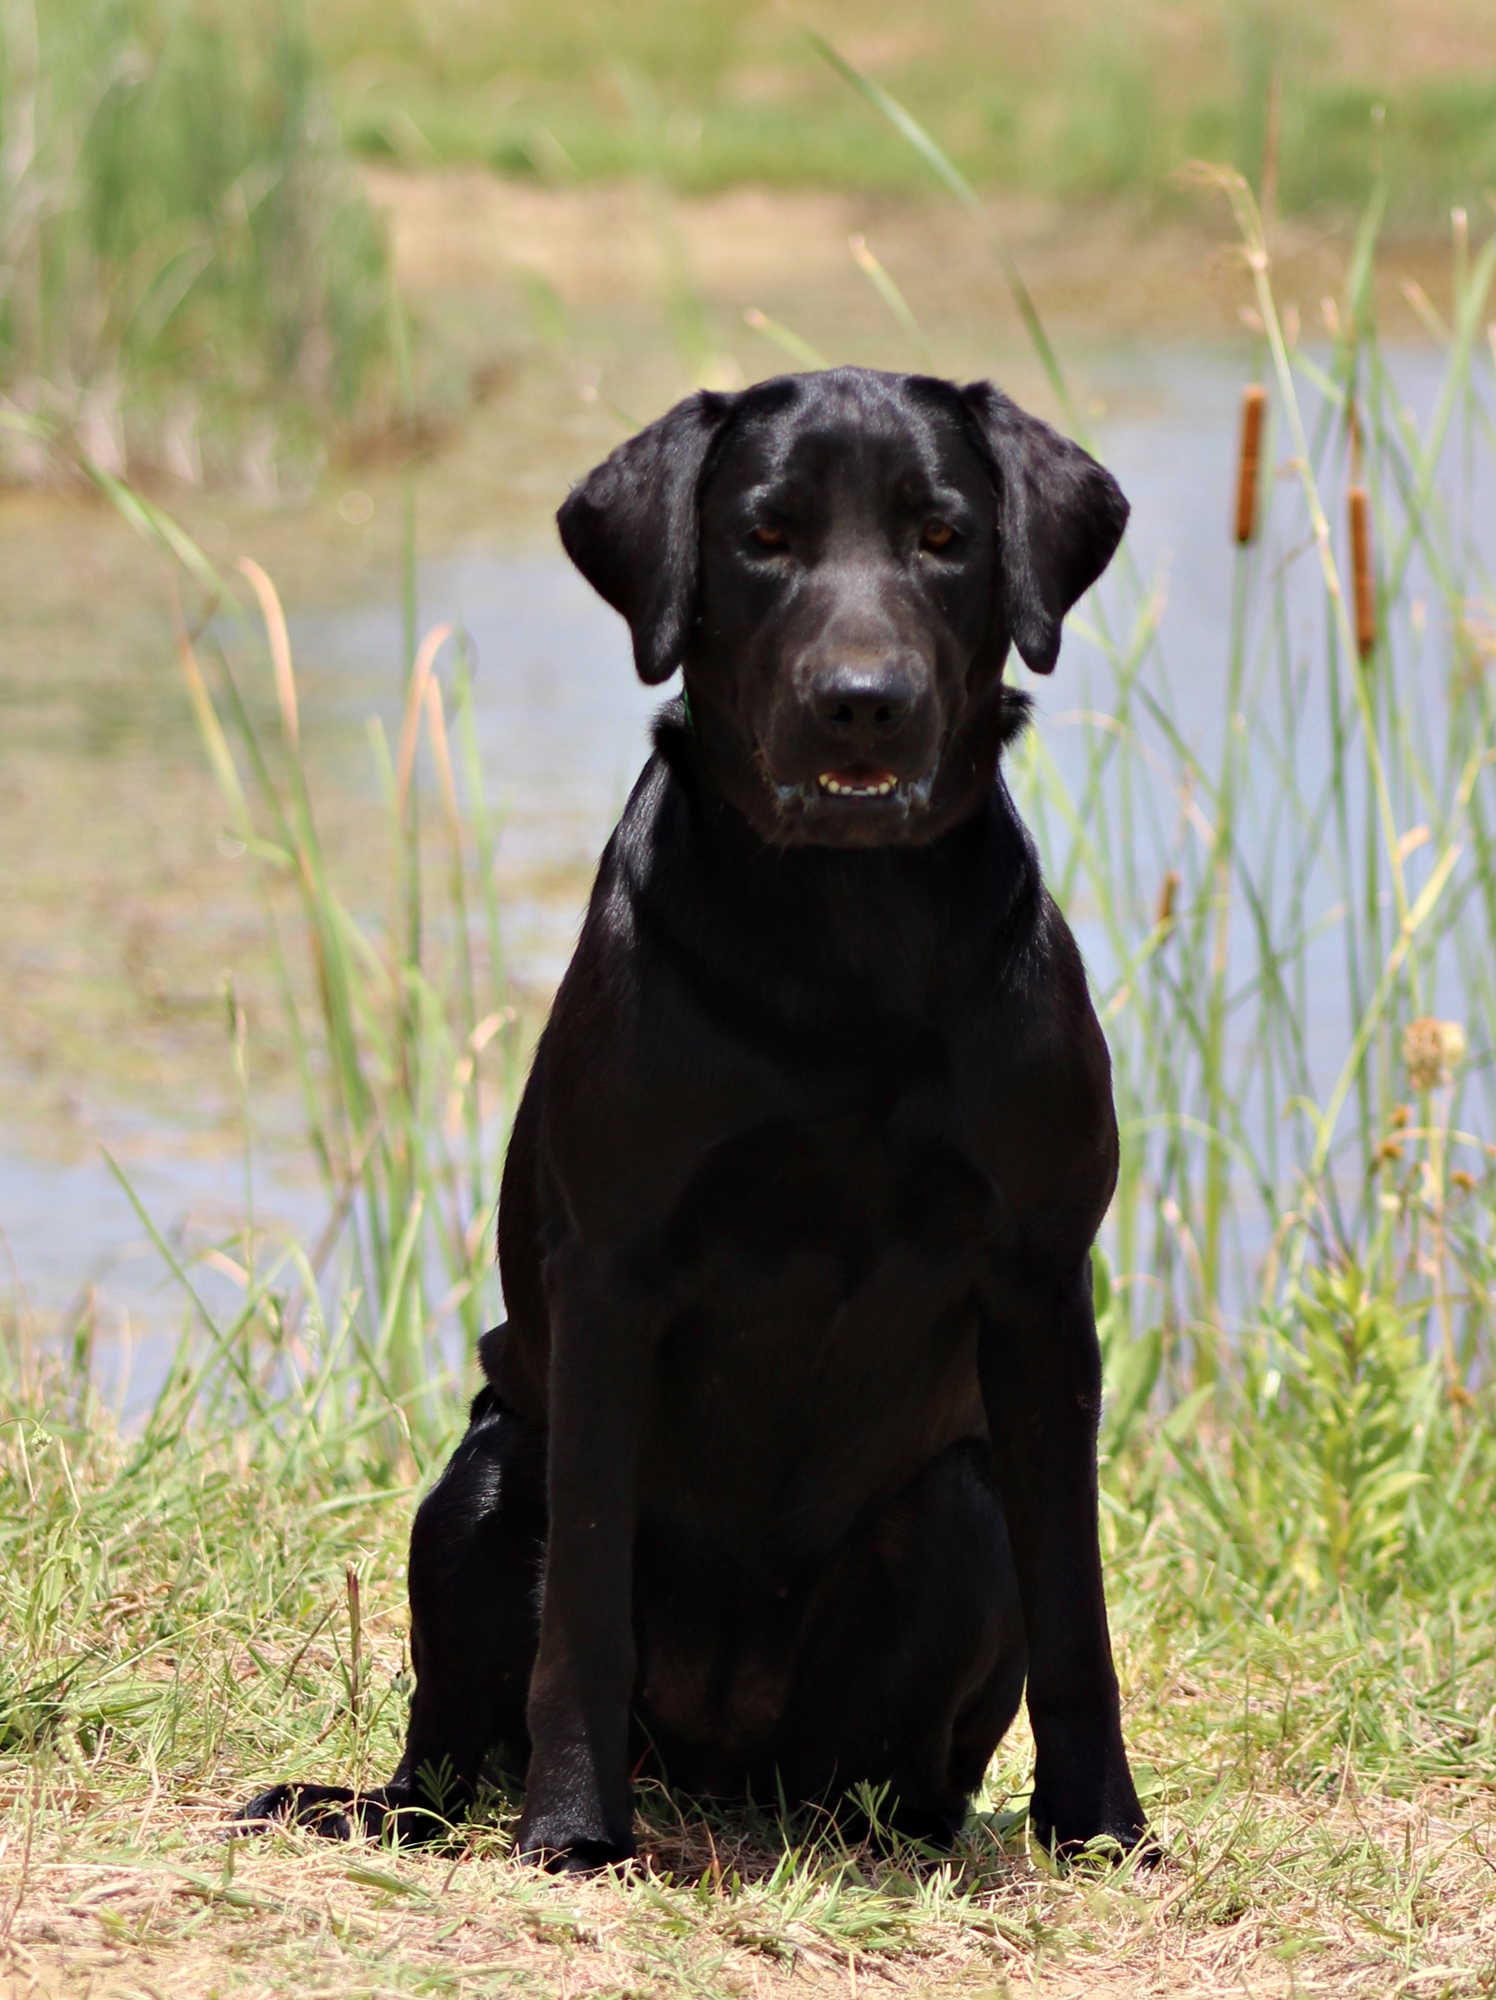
[(795, 1409)]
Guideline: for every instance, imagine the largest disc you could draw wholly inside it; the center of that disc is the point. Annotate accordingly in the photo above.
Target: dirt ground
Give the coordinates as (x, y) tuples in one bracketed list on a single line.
[(1097, 275)]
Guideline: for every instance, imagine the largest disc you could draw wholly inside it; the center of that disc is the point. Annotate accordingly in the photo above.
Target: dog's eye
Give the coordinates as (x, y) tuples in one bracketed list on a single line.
[(768, 536), (937, 535)]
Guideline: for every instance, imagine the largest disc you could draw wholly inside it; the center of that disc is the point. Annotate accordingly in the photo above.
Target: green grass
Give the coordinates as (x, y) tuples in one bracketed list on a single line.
[(190, 282), (180, 1624), (1299, 1447), (1075, 102)]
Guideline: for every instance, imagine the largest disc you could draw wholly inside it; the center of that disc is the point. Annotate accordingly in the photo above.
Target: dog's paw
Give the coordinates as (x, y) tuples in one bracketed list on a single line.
[(1115, 1836), (928, 1828), (1109, 1848), (332, 1811), (551, 1849), (1090, 1811), (584, 1857), (567, 1835)]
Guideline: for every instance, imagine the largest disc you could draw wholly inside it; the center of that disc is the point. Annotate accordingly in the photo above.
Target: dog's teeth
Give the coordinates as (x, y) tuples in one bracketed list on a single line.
[(840, 789)]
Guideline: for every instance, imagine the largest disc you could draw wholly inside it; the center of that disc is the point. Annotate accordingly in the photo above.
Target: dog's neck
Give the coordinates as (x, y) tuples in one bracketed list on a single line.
[(880, 926)]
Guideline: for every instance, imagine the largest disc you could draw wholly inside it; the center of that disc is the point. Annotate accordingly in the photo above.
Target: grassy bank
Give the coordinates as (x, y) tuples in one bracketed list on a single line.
[(1072, 101), (185, 1614), (1299, 1446)]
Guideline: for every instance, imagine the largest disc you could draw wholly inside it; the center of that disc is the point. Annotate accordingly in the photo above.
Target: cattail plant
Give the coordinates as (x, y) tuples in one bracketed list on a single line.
[(1358, 509), (1253, 405)]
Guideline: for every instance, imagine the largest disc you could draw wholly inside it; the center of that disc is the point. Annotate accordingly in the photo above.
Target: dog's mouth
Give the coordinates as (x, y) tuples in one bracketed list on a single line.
[(856, 789), (858, 781)]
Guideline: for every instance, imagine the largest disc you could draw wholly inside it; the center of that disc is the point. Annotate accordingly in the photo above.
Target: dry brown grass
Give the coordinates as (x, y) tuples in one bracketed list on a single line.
[(1266, 1894)]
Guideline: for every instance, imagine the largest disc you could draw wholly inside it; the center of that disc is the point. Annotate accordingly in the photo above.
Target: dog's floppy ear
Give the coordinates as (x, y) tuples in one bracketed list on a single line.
[(1060, 518), (631, 528)]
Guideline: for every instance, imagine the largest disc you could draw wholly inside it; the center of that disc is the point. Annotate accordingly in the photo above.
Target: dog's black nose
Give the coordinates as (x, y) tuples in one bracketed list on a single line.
[(862, 702)]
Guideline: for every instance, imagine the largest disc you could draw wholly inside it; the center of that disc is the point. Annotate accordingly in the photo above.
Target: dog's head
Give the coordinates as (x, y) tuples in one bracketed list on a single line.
[(839, 562)]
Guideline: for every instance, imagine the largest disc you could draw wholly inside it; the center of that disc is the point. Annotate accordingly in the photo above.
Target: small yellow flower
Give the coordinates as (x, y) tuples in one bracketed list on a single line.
[(1432, 1051)]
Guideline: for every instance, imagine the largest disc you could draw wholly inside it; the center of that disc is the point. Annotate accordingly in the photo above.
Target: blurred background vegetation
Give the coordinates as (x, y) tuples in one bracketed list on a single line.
[(1074, 100), (185, 243), (181, 241)]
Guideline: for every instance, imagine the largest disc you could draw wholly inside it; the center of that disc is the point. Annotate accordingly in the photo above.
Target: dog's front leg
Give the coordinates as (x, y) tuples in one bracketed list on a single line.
[(1041, 1385), (578, 1799)]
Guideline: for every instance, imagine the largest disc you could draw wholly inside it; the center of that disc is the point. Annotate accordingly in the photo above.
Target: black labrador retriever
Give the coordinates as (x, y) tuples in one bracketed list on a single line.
[(784, 1475)]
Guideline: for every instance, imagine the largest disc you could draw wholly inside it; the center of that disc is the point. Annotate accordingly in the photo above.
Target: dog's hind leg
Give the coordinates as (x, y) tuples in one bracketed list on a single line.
[(916, 1655), (475, 1555)]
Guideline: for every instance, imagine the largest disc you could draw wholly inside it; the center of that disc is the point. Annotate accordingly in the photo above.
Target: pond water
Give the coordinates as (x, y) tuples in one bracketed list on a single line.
[(564, 726)]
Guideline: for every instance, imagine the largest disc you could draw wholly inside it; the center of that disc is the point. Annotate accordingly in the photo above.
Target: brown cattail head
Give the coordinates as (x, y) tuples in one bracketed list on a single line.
[(1166, 894), (1253, 403), (1365, 586)]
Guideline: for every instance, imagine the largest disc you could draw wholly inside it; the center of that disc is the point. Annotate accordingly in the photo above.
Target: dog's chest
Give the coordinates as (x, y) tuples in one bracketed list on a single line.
[(820, 1334)]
